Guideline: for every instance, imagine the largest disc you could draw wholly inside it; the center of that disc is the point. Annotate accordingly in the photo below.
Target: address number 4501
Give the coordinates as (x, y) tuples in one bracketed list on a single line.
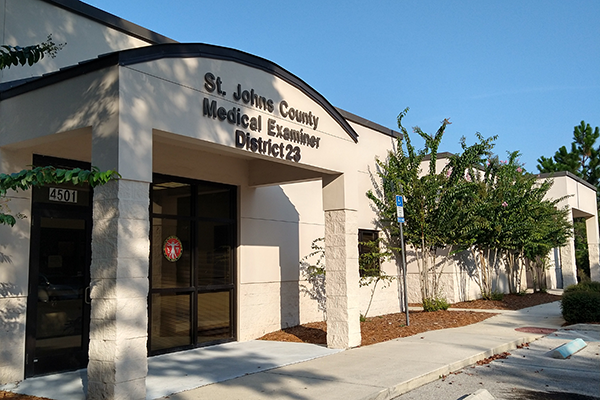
[(63, 195)]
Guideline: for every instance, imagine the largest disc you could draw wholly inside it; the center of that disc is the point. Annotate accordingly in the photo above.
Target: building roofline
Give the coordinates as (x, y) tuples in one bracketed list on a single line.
[(111, 20), (442, 155), (369, 124), (178, 50), (571, 175), (539, 176)]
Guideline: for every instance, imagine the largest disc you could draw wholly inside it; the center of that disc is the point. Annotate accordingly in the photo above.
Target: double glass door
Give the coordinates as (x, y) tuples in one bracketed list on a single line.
[(191, 281)]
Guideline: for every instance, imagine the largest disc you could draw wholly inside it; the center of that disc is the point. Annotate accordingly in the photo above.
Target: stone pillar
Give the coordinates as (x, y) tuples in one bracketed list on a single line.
[(118, 363), (341, 263), (341, 279), (591, 225), (567, 259), (14, 272)]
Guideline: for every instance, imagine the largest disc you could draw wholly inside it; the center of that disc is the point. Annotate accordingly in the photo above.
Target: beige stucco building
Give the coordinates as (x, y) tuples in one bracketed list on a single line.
[(230, 165)]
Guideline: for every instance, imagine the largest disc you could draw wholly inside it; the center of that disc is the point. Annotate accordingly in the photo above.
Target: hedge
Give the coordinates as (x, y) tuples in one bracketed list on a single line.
[(581, 303)]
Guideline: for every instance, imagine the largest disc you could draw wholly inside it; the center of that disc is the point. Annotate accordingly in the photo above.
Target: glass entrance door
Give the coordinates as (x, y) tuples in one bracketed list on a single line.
[(191, 280), (58, 304)]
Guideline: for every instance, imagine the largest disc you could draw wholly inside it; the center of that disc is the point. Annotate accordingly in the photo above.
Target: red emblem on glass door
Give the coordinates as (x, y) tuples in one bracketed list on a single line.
[(172, 248)]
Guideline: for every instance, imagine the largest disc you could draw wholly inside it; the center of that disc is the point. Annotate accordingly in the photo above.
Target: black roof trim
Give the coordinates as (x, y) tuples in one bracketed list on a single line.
[(442, 155), (570, 175), (111, 20), (180, 50), (10, 84), (369, 124)]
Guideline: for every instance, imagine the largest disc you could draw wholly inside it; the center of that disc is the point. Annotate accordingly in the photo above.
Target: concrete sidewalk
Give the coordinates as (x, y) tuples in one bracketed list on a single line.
[(386, 370), (267, 370)]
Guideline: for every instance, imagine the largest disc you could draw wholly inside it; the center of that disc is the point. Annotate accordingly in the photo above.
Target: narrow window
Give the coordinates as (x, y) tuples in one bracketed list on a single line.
[(368, 252)]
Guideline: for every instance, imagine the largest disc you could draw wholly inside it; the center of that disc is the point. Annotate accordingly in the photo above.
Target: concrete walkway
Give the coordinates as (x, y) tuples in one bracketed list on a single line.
[(268, 370)]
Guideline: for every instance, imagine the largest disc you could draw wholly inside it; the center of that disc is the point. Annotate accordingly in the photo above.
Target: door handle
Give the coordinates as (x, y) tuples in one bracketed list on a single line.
[(87, 296)]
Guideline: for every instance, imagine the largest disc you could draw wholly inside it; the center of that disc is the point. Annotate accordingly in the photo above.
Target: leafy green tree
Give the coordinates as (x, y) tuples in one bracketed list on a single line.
[(550, 230), (16, 55), (431, 199), (509, 219)]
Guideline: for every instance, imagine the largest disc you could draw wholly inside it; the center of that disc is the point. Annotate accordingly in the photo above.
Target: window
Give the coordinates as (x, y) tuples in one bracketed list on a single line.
[(368, 252)]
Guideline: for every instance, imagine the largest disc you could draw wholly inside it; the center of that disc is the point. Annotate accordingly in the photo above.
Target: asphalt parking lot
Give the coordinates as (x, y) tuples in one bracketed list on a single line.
[(529, 372)]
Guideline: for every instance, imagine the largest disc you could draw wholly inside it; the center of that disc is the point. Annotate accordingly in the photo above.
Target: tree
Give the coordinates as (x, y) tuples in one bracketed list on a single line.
[(431, 200), (510, 220), (584, 158), (15, 55), (493, 209)]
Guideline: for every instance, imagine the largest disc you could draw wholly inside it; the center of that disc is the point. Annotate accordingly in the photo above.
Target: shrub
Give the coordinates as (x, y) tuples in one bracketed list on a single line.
[(498, 296), (581, 303), (435, 304), (587, 286)]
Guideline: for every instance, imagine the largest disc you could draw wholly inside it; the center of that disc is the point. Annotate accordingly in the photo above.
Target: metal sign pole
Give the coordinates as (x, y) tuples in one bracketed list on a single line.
[(404, 275), (400, 215)]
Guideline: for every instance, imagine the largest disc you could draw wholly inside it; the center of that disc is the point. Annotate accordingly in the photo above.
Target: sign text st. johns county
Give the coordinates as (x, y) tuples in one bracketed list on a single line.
[(284, 142)]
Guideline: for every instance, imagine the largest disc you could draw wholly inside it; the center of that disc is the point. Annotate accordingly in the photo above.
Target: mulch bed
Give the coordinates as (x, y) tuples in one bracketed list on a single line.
[(16, 396), (393, 326), (510, 302), (384, 327)]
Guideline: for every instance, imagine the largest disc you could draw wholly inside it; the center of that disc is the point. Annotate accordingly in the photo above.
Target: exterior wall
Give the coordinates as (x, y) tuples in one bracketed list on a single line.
[(374, 145), (85, 39), (582, 203), (12, 324), (14, 274), (276, 223), (593, 247), (580, 196), (65, 111)]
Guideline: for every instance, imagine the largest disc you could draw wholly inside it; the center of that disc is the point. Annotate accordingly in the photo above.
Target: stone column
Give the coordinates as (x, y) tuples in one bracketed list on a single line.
[(341, 279), (14, 273), (591, 225), (121, 141), (118, 364), (567, 259), (341, 263)]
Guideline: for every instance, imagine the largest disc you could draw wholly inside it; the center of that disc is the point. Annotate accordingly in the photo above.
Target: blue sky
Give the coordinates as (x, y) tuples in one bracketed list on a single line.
[(527, 71)]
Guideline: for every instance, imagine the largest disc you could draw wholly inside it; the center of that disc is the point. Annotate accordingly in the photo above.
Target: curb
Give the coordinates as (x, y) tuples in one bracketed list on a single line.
[(581, 327), (413, 383)]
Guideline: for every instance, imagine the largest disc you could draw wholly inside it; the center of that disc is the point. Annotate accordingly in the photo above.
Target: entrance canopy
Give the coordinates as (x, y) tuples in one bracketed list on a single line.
[(224, 99)]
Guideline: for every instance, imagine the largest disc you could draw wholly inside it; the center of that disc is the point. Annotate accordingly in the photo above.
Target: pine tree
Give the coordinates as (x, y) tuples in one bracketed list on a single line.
[(584, 158)]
